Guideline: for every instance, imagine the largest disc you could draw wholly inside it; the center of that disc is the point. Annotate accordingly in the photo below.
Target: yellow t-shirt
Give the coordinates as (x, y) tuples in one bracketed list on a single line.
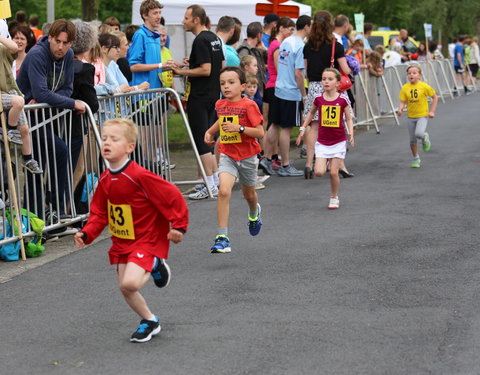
[(166, 77), (416, 98)]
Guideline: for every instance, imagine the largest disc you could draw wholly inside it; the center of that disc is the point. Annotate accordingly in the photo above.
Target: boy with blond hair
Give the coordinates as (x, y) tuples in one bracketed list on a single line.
[(143, 213)]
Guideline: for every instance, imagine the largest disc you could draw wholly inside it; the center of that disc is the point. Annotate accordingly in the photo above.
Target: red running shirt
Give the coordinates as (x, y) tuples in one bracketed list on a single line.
[(244, 112), (139, 208)]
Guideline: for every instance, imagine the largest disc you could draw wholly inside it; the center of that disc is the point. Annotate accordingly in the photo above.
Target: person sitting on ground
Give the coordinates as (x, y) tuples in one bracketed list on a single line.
[(13, 102)]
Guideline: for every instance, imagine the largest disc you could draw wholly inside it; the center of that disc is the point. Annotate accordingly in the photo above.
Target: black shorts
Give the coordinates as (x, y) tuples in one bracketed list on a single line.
[(473, 69), (269, 95), (459, 69), (286, 113), (201, 115)]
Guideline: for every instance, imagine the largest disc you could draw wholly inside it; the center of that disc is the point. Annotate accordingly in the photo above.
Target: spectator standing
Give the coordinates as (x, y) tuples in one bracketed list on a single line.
[(290, 93), (254, 46), (144, 53), (113, 22), (46, 76), (474, 57), (393, 57), (23, 38), (269, 22), (202, 89), (232, 58), (122, 59), (34, 22), (167, 76), (367, 32), (285, 28), (342, 26), (224, 31), (459, 64)]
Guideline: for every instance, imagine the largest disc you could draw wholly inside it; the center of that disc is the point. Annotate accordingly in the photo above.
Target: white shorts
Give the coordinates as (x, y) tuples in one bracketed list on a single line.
[(337, 150)]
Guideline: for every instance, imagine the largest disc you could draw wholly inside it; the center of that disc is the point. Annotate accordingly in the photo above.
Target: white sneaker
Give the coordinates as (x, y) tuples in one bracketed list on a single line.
[(334, 203), (203, 193)]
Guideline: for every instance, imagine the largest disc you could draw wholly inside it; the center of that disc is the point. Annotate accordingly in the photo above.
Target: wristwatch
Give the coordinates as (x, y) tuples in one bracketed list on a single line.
[(241, 129)]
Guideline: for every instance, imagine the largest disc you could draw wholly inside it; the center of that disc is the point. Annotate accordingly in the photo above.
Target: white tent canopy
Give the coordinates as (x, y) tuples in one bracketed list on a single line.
[(244, 10)]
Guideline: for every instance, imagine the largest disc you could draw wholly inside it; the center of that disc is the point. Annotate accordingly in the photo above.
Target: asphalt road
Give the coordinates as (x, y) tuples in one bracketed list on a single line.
[(387, 284)]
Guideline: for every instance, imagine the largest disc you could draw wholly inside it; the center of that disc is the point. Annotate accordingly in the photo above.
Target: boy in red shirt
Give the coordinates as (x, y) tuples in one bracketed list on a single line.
[(240, 124), (143, 212)]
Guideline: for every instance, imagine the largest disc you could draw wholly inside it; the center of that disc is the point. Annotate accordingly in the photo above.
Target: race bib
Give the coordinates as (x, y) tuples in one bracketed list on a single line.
[(225, 137), (188, 86), (331, 116), (120, 221)]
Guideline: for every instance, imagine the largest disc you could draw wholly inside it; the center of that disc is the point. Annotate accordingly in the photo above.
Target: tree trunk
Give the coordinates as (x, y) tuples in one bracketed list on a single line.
[(89, 10)]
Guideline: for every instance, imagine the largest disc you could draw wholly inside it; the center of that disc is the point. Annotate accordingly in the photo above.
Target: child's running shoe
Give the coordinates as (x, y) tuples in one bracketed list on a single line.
[(426, 142), (222, 245), (334, 203), (145, 331), (161, 273), (415, 163), (255, 224)]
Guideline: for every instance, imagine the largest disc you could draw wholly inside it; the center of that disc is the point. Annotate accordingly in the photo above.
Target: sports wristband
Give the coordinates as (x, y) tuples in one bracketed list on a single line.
[(302, 129), (305, 97), (136, 88), (160, 66)]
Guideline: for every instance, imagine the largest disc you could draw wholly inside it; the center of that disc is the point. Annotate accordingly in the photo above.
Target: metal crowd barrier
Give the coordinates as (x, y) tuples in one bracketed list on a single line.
[(149, 110), (377, 97), (39, 194)]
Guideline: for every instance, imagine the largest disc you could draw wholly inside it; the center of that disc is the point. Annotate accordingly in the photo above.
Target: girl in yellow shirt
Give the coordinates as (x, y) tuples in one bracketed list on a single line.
[(414, 95)]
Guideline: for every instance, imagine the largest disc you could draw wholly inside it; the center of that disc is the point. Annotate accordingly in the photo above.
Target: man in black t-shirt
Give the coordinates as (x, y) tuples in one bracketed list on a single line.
[(202, 89)]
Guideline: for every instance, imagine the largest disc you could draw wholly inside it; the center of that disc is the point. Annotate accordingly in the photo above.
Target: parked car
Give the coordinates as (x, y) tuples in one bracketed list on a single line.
[(384, 37)]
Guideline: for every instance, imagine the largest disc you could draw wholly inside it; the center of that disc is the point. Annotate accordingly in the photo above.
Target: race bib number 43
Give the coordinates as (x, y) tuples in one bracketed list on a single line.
[(120, 221), (331, 116), (233, 137)]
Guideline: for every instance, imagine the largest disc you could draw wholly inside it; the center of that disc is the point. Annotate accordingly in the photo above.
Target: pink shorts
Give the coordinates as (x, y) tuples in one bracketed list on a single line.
[(140, 258)]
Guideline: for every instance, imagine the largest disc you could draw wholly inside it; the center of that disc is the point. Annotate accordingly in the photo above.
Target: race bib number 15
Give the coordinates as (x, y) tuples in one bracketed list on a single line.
[(120, 221), (331, 116)]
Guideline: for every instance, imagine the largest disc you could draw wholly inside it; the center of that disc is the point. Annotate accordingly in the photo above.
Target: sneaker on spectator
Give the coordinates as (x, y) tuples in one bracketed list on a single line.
[(51, 217), (289, 171), (203, 194), (198, 187), (165, 165), (161, 273), (255, 223), (32, 166), (259, 186), (221, 245), (145, 331), (266, 165), (427, 145), (334, 203), (14, 136), (276, 164)]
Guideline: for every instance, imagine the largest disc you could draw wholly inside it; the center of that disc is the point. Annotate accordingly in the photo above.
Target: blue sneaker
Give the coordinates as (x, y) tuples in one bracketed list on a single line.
[(161, 273), (255, 224), (222, 245), (145, 331)]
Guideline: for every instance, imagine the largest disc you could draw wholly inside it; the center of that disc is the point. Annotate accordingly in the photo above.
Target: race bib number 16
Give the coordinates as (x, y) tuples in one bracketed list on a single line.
[(331, 116), (120, 221)]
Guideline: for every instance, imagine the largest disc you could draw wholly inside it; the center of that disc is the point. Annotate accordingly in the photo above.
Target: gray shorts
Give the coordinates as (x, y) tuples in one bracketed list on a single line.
[(7, 104), (245, 169), (416, 128)]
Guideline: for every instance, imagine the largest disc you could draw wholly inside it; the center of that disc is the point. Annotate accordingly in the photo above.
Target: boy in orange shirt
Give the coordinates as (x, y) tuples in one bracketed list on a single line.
[(240, 124)]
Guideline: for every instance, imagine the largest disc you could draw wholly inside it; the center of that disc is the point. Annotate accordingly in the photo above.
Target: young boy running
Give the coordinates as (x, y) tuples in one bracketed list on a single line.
[(240, 124), (143, 213)]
